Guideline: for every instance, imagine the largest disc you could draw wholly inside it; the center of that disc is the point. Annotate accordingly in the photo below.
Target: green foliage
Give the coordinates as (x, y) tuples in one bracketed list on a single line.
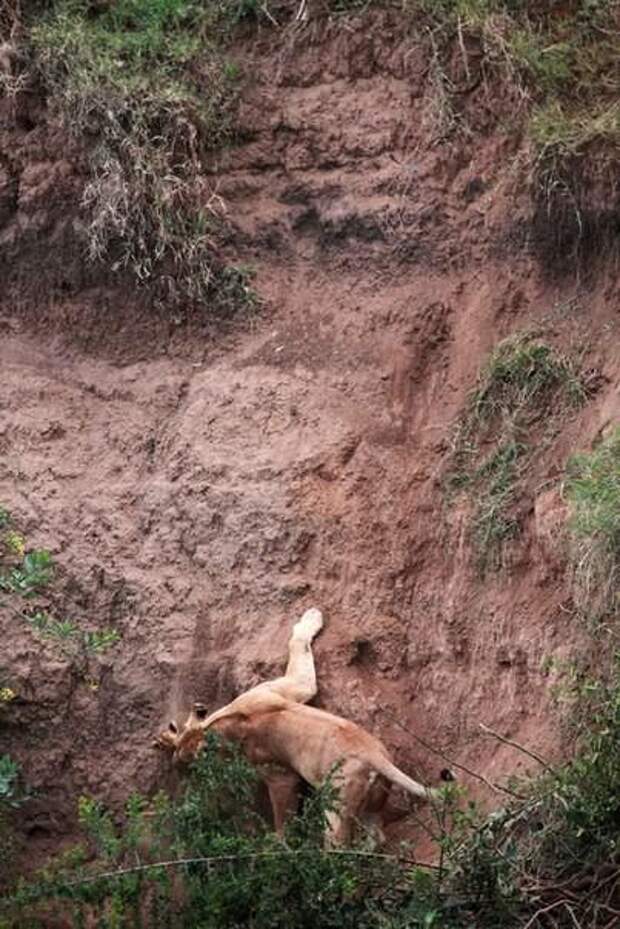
[(565, 131), (520, 377), (31, 576), (207, 860), (549, 65), (564, 62), (222, 866), (73, 641), (558, 844), (28, 579), (11, 795), (146, 83), (492, 524), (576, 809), (593, 487), (522, 382), (593, 491)]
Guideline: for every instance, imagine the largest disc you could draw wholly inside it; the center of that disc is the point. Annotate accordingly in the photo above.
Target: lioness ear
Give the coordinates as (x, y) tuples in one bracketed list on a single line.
[(172, 726), (200, 710), (166, 740)]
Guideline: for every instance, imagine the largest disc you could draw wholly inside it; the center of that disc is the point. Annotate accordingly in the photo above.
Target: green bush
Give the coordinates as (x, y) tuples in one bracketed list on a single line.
[(207, 860), (573, 845)]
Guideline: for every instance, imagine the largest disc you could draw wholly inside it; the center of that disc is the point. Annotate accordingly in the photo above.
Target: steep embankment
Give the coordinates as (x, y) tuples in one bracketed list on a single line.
[(200, 492)]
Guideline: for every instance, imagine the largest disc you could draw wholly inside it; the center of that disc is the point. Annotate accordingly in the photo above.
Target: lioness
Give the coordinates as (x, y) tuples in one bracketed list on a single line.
[(290, 741)]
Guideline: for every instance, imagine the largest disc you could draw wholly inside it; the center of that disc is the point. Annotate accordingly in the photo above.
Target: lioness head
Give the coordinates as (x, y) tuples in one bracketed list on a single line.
[(186, 744)]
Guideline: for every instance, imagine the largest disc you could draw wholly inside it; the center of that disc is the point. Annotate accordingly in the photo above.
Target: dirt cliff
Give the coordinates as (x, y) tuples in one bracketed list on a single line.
[(200, 489)]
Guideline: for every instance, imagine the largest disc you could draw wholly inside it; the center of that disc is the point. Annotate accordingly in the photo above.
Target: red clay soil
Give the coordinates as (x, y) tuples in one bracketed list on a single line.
[(200, 492)]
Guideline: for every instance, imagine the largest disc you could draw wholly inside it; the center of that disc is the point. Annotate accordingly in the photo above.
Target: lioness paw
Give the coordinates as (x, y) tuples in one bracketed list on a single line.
[(310, 623)]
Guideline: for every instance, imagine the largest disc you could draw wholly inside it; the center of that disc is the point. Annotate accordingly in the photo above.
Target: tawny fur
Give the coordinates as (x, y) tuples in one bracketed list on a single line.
[(305, 742), (288, 742)]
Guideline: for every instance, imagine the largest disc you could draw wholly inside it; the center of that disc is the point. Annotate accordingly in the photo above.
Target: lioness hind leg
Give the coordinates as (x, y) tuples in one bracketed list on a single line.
[(372, 830), (299, 681), (354, 780), (338, 830)]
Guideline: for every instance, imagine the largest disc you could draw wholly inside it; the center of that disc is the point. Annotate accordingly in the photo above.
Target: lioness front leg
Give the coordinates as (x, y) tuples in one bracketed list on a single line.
[(284, 786)]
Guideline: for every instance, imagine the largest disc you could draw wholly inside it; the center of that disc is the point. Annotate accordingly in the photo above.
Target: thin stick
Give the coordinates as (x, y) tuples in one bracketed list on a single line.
[(542, 910), (526, 751), (576, 922), (463, 51), (216, 859), (610, 909), (270, 17), (455, 764)]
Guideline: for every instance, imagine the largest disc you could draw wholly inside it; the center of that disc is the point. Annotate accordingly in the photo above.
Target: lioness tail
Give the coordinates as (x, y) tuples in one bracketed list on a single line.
[(396, 776)]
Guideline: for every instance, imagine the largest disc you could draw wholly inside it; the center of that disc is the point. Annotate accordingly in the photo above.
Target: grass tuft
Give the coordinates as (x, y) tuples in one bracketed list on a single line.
[(146, 84), (523, 380), (593, 491), (519, 377), (492, 524)]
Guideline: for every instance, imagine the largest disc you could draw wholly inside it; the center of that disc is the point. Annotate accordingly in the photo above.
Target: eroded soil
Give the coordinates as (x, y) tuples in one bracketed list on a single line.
[(200, 491)]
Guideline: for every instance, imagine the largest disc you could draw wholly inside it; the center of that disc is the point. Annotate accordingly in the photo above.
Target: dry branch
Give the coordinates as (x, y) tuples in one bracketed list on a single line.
[(526, 751)]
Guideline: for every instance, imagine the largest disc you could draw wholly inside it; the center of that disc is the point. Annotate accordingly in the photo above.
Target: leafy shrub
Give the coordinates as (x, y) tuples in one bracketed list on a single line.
[(208, 860), (568, 853)]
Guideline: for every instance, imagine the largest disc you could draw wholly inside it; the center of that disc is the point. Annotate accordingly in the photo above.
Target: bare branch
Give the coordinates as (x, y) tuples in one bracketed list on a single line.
[(497, 788), (254, 856), (526, 751)]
